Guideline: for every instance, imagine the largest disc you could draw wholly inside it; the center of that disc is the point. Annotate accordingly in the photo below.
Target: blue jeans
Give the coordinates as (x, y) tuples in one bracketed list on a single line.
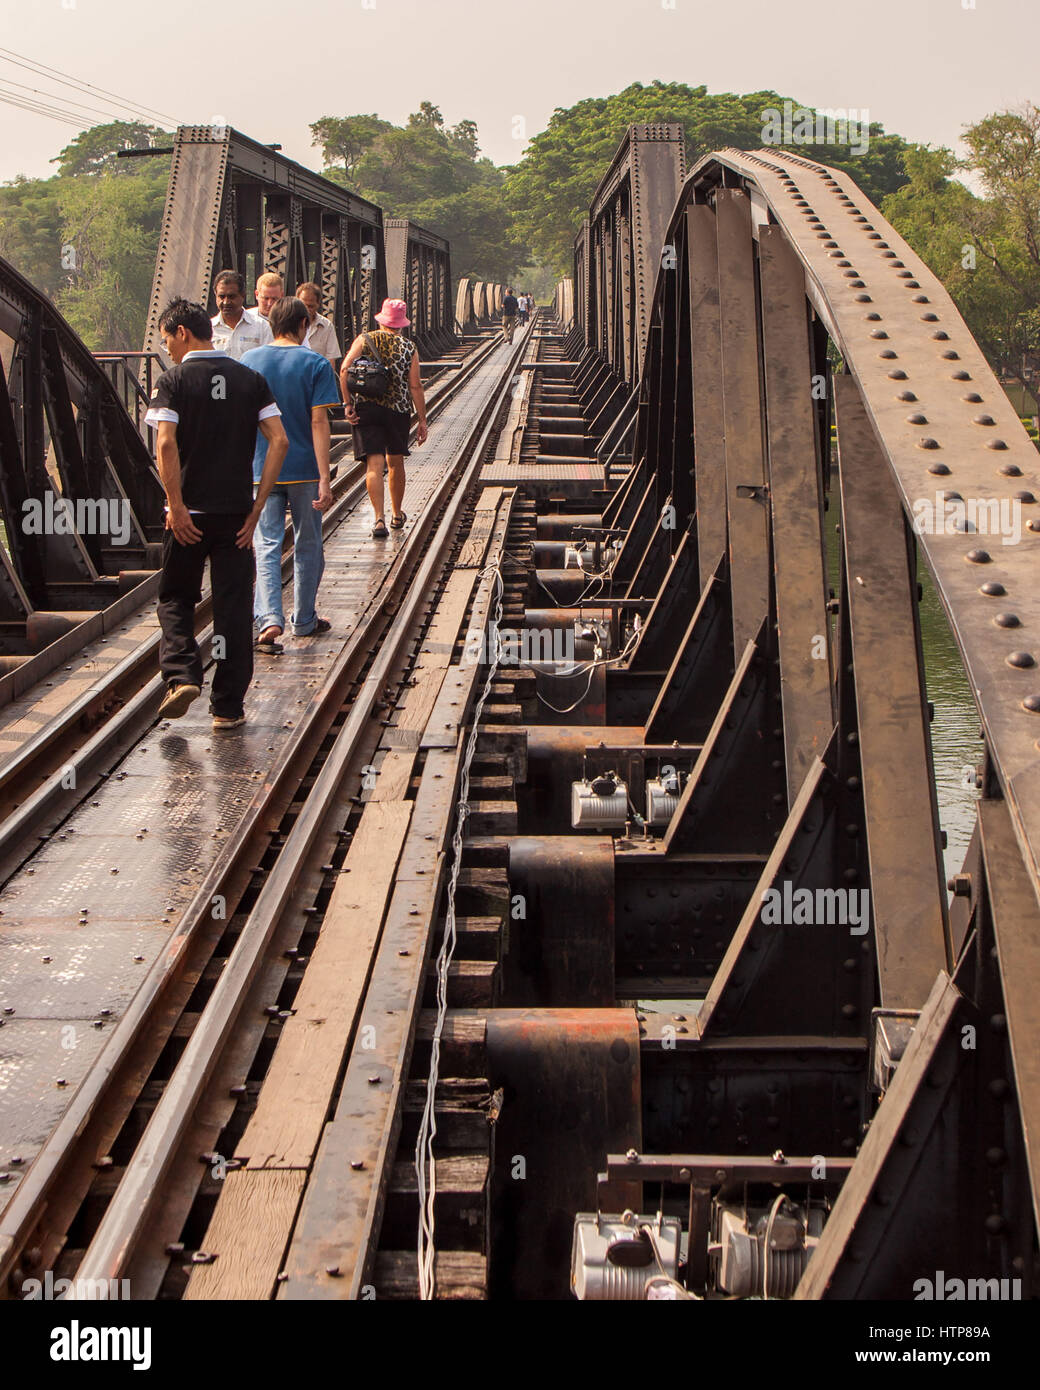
[(308, 558)]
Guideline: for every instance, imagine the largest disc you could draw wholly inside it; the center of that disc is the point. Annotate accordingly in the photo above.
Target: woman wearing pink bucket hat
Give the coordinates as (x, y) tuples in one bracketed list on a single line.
[(381, 423)]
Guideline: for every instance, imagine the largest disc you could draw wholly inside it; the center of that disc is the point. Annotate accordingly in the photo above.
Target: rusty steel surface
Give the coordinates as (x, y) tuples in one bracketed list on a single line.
[(234, 204), (64, 434), (578, 1071), (418, 270), (919, 359)]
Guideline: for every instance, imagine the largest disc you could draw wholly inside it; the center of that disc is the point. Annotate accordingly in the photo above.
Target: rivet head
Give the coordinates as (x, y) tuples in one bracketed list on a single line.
[(973, 398), (927, 443), (1008, 620), (983, 420), (1032, 704), (995, 444), (897, 375), (1033, 525), (929, 318), (940, 470), (864, 299), (878, 333), (992, 588), (917, 419), (872, 317), (960, 376), (887, 354), (1026, 497), (949, 355), (906, 396), (1022, 661), (978, 557), (1011, 470), (941, 336), (921, 299)]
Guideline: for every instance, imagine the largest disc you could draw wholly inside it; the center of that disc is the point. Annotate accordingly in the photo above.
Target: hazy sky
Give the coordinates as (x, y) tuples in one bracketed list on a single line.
[(923, 68)]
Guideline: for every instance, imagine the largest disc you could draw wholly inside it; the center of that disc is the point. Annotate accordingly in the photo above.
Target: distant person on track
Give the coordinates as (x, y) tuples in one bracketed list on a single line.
[(270, 288), (236, 329), (381, 424), (206, 410), (321, 335), (304, 387), (530, 307), (510, 310), (521, 309)]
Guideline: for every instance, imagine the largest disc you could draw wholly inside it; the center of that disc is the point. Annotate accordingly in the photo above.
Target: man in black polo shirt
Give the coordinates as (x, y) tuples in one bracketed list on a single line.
[(207, 409)]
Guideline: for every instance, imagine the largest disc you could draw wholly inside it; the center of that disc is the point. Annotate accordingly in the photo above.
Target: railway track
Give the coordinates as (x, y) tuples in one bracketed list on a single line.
[(119, 1181), (43, 777)]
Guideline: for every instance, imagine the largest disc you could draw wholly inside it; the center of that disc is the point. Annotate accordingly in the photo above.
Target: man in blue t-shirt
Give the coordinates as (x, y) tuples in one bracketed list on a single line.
[(304, 387)]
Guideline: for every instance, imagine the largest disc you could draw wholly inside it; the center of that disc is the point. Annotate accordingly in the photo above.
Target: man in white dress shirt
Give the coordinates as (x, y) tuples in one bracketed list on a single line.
[(321, 335), (236, 329)]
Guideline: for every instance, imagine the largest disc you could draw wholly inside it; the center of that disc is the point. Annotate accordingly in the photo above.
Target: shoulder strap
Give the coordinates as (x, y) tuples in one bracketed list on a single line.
[(372, 348)]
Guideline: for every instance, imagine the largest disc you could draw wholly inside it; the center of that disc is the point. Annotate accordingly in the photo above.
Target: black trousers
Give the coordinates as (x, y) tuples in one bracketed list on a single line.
[(231, 572)]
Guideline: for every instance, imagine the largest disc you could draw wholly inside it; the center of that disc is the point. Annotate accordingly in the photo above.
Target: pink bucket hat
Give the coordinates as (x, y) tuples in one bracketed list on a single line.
[(393, 314)]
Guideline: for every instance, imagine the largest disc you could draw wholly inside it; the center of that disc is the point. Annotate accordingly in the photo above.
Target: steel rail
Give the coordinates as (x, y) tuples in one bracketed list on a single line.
[(52, 801), (19, 1218), (116, 1236)]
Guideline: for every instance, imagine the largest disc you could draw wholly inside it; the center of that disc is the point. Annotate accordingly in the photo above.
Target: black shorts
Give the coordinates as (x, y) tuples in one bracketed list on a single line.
[(380, 431)]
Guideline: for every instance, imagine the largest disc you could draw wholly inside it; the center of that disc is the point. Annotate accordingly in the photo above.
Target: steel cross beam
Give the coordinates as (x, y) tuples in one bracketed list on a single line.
[(234, 204)]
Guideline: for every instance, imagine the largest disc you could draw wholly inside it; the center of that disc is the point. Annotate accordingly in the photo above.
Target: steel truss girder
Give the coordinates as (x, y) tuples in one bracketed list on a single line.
[(419, 272), (238, 205), (64, 434)]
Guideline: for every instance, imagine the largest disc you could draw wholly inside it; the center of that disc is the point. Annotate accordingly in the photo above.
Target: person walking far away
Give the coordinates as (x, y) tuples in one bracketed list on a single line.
[(530, 307), (510, 309), (521, 309), (304, 387), (381, 423), (206, 410), (269, 289), (321, 335), (236, 329)]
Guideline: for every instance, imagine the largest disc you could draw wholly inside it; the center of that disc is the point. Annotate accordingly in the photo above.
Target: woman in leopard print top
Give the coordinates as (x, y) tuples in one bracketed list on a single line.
[(381, 423)]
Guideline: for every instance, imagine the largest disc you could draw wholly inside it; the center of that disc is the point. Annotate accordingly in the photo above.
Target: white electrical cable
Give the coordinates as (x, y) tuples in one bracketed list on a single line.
[(607, 661), (428, 1125)]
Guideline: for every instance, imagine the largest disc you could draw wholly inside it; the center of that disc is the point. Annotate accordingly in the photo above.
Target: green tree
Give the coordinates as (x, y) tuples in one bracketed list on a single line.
[(112, 223), (985, 250), (465, 136), (345, 139), (95, 151), (552, 186), (30, 231), (427, 115)]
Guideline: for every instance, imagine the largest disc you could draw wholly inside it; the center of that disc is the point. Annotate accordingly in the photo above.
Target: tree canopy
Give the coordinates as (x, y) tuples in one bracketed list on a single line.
[(88, 236), (986, 250), (550, 189), (434, 175)]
